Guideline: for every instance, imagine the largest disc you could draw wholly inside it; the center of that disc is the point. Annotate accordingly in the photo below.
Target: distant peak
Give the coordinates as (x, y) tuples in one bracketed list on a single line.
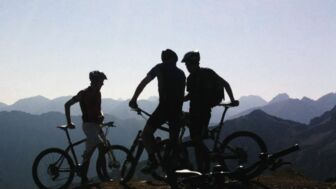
[(38, 98), (280, 97), (251, 97), (307, 99), (327, 96), (258, 113)]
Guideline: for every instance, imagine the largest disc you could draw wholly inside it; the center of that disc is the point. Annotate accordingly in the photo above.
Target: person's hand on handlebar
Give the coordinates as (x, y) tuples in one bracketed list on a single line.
[(133, 104), (71, 125), (234, 103)]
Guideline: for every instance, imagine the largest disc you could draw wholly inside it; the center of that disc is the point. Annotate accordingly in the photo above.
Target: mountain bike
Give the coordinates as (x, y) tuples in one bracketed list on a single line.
[(238, 148), (239, 178), (165, 154), (56, 168)]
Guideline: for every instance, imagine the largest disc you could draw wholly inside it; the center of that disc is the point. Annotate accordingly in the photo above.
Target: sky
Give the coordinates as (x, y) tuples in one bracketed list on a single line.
[(261, 47)]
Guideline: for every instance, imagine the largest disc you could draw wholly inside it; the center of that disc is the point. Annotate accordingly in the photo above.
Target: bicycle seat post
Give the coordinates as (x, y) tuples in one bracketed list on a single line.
[(221, 123), (68, 136), (223, 115)]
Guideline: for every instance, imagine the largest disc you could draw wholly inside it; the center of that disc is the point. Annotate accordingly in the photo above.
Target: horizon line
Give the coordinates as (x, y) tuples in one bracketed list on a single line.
[(156, 97)]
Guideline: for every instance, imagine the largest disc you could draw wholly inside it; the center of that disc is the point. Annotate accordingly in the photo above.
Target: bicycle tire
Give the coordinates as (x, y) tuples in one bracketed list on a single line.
[(112, 167), (129, 166), (160, 173), (51, 170), (231, 146), (171, 161)]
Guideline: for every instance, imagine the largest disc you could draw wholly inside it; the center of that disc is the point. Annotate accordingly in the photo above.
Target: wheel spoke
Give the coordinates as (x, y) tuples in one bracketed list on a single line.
[(242, 149), (53, 169)]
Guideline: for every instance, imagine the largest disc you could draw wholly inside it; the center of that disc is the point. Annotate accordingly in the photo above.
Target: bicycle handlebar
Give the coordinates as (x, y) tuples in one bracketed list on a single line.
[(108, 124), (272, 160), (228, 105), (140, 111), (284, 152)]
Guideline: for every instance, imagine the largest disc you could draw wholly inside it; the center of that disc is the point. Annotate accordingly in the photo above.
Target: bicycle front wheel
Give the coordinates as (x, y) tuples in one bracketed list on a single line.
[(242, 149), (53, 168), (116, 158)]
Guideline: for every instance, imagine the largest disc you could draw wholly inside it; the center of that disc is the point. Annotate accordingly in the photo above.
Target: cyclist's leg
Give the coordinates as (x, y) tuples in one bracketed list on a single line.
[(174, 130), (92, 131), (101, 155), (172, 161), (198, 127), (156, 119)]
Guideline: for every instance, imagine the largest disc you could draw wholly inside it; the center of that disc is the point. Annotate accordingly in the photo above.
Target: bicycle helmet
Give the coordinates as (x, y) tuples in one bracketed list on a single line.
[(97, 76), (168, 54), (192, 56)]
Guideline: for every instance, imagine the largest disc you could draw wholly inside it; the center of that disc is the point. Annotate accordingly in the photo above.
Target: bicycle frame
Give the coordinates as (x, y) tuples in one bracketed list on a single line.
[(214, 133), (70, 147), (137, 146), (220, 126)]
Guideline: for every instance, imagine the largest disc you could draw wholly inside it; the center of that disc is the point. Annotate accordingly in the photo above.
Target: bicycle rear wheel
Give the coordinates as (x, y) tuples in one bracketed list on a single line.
[(242, 149), (53, 168), (117, 158)]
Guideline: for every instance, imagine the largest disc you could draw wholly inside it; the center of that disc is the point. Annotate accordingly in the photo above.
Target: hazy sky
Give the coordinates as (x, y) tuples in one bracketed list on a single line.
[(261, 47)]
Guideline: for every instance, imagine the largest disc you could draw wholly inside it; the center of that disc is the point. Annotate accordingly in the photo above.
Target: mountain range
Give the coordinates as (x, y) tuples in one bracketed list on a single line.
[(282, 106), (24, 134), (299, 110)]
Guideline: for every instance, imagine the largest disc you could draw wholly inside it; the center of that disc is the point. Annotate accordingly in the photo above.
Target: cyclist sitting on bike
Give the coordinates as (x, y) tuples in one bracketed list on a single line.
[(92, 116), (171, 84), (205, 90)]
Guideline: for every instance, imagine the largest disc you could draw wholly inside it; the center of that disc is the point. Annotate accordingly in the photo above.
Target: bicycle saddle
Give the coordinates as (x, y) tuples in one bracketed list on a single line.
[(63, 127)]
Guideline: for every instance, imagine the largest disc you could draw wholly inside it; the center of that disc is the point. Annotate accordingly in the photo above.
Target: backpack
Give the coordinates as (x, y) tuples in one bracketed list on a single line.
[(214, 90)]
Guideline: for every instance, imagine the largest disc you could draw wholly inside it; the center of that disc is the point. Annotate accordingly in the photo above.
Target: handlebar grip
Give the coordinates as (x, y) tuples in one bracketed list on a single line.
[(285, 152), (229, 105), (110, 124)]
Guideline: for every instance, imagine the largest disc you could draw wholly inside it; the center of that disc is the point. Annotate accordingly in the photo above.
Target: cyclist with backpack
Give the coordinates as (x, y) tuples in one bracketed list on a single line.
[(92, 116), (205, 90), (171, 85)]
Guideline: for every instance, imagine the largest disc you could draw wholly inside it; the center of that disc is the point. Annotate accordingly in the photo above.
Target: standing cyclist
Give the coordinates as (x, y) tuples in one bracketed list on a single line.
[(171, 84), (92, 116), (205, 90)]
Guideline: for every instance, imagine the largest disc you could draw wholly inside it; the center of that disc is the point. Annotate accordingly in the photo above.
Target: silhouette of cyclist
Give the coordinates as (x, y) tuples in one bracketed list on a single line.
[(171, 85), (92, 116), (198, 83)]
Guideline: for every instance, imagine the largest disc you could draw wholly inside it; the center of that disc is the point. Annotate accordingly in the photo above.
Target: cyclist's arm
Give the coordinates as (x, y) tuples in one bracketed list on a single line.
[(228, 89), (140, 88), (67, 106)]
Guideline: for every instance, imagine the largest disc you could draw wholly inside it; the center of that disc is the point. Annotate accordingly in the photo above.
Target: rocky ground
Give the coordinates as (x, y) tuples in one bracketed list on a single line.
[(272, 182)]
